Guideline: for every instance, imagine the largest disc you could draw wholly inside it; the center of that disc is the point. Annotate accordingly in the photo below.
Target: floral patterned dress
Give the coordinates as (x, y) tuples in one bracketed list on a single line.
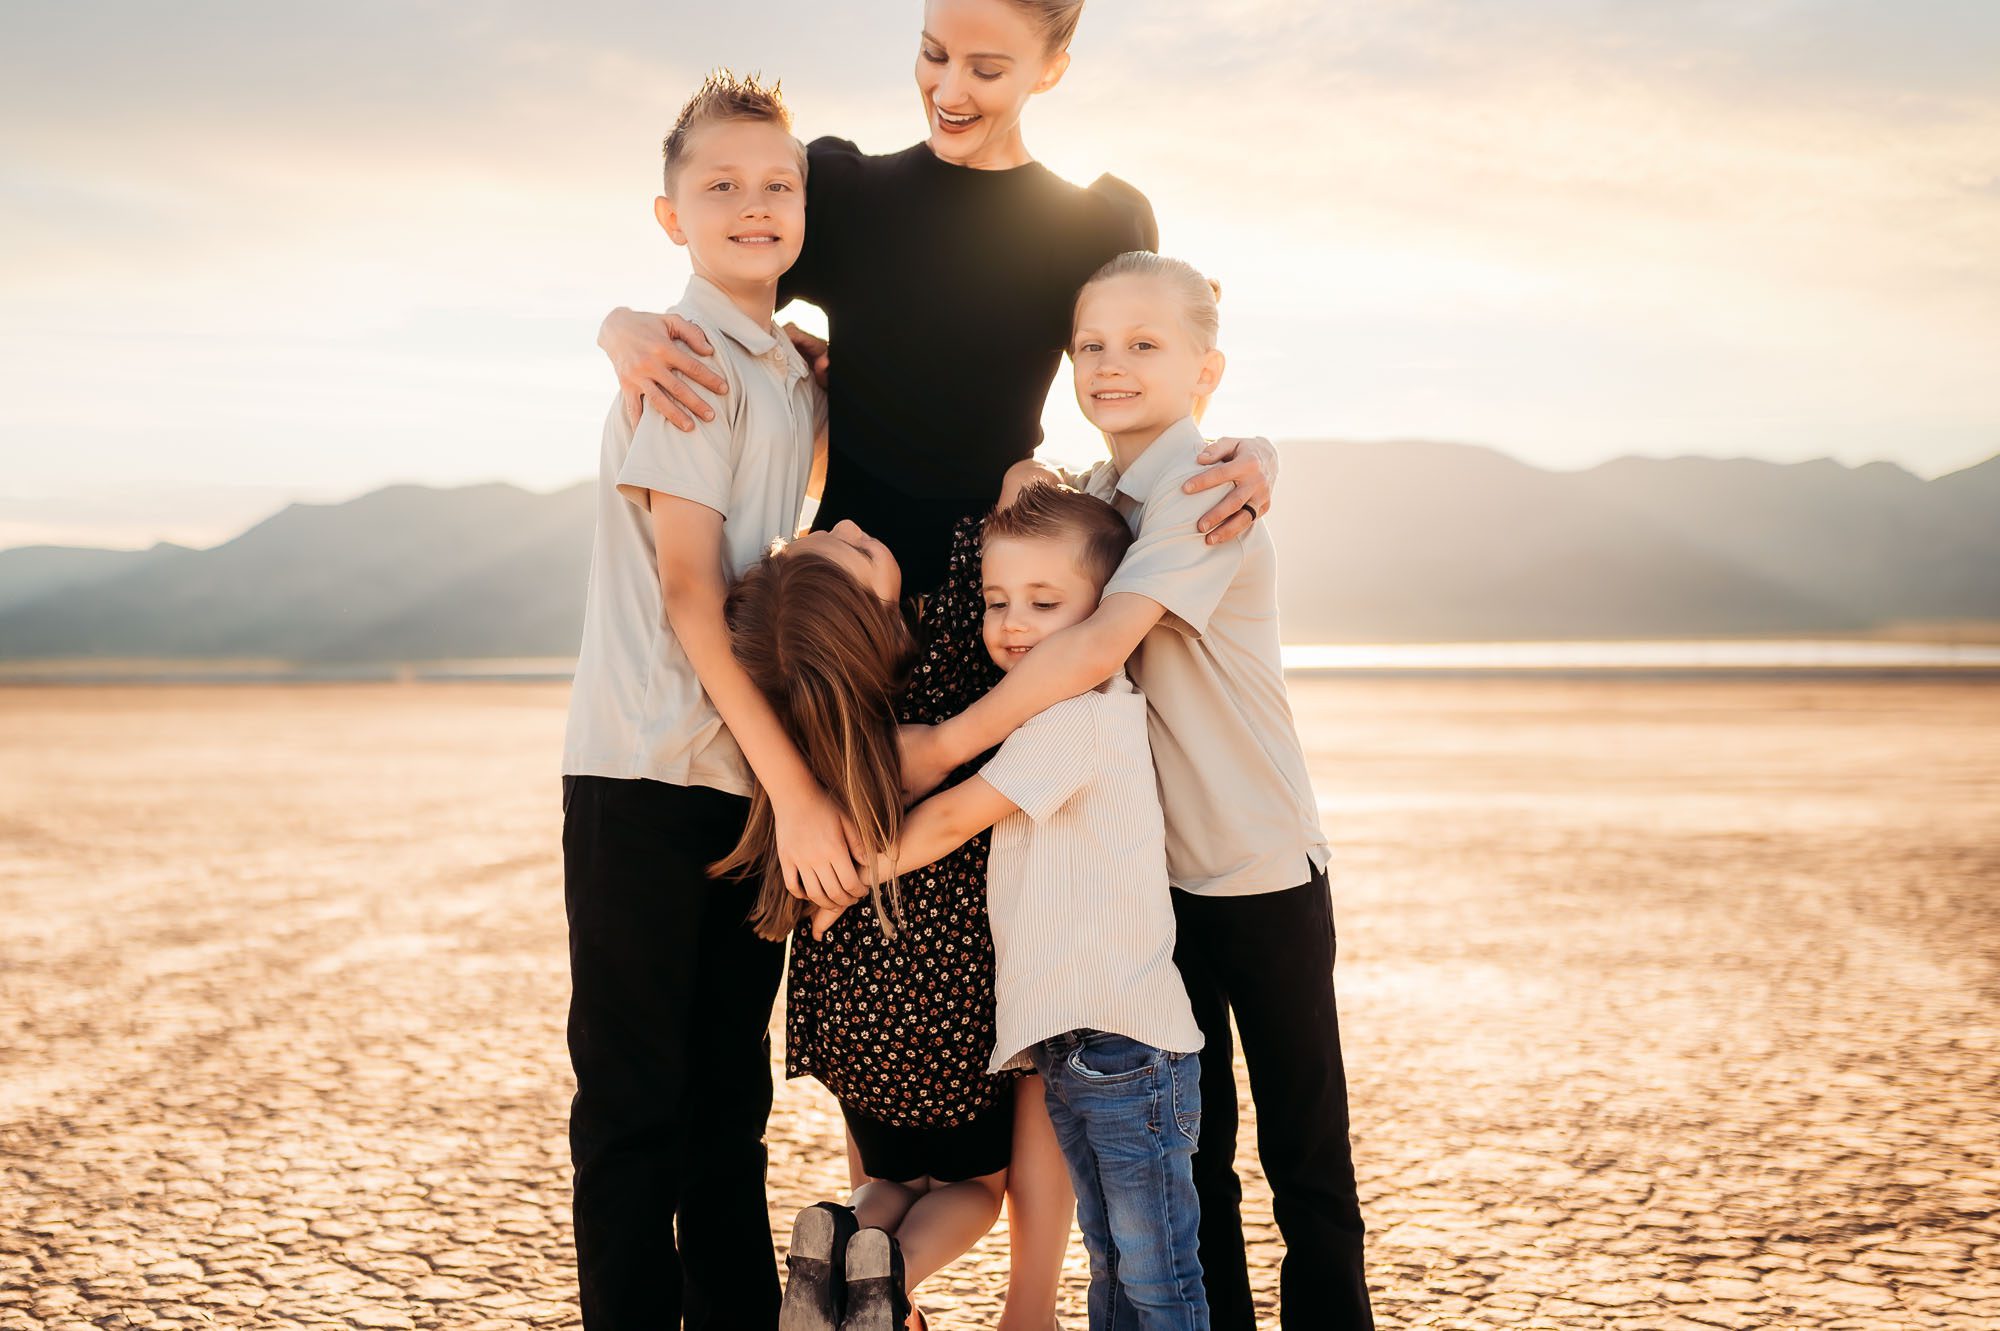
[(902, 1029)]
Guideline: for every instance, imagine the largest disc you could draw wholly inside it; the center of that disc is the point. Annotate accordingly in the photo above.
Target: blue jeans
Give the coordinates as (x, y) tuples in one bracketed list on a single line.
[(1127, 1116)]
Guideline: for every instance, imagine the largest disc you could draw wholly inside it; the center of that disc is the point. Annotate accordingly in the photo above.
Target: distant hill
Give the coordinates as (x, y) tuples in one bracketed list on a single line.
[(403, 573), (30, 572), (1421, 541), (1379, 542)]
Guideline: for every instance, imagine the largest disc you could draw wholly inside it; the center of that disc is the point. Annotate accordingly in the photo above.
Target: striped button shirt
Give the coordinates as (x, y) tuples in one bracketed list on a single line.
[(1083, 929)]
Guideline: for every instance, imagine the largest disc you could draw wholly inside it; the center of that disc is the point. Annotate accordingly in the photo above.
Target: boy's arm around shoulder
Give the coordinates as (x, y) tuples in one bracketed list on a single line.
[(1062, 665)]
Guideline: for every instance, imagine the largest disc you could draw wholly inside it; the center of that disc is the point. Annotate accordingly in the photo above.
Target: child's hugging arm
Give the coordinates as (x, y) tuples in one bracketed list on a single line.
[(814, 848), (1037, 771), (931, 831), (684, 484), (1171, 575), (1063, 665), (1033, 471)]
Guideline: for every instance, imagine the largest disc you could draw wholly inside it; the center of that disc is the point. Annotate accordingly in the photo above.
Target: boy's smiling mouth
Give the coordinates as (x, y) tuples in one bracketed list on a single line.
[(755, 238)]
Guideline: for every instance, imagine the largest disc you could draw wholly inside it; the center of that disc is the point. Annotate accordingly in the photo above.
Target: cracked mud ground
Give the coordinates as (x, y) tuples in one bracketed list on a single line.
[(1666, 1006)]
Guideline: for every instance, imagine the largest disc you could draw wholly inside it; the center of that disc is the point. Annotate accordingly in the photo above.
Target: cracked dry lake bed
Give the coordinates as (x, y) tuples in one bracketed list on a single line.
[(1666, 1005)]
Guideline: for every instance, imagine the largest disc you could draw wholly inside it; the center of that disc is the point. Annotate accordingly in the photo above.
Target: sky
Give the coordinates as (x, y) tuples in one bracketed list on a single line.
[(251, 253)]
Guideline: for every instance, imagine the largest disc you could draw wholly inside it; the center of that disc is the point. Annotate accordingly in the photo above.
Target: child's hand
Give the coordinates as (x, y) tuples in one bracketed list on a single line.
[(822, 920), (815, 849)]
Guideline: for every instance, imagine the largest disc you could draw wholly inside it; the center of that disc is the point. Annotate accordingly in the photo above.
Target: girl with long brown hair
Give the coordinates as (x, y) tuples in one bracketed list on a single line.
[(891, 1007)]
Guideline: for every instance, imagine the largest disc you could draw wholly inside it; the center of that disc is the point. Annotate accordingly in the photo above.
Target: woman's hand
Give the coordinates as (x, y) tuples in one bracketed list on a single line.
[(1250, 468), (816, 850), (654, 367), (924, 765), (813, 349)]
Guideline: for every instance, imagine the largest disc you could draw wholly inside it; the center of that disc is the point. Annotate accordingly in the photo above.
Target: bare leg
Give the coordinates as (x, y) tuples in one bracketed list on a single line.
[(881, 1204), (943, 1222), (856, 1175), (1040, 1207)]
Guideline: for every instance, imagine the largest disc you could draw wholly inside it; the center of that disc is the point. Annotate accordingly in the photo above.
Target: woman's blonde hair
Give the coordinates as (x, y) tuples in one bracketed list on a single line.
[(1199, 295), (1055, 18), (831, 658)]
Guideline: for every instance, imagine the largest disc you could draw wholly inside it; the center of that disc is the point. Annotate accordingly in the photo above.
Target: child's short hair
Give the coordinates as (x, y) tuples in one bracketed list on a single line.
[(723, 95), (1045, 512), (1200, 295)]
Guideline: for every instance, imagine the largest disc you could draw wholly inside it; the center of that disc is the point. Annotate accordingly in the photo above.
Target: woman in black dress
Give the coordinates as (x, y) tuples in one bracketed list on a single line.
[(947, 273)]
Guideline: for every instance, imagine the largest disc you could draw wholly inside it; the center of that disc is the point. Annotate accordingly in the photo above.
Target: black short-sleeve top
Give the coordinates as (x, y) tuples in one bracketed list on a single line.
[(948, 293)]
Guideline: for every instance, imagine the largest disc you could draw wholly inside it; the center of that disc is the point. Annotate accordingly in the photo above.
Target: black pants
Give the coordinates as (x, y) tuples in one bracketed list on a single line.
[(1270, 959), (669, 1018)]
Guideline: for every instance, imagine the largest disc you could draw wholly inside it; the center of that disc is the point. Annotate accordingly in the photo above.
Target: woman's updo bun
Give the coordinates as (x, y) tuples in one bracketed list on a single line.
[(1055, 18)]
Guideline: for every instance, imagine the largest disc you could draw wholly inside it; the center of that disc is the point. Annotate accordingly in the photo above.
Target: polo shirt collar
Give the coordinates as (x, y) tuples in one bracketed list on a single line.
[(1178, 443), (714, 304)]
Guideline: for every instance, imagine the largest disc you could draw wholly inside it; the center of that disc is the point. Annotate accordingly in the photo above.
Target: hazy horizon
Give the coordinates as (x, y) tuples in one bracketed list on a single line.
[(556, 487), (258, 255)]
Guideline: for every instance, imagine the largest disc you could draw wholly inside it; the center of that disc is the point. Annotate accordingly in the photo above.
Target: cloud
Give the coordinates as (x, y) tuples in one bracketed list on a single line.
[(333, 246)]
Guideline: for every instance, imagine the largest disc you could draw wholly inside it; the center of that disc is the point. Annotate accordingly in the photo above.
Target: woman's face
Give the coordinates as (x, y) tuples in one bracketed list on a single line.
[(978, 63), (866, 558)]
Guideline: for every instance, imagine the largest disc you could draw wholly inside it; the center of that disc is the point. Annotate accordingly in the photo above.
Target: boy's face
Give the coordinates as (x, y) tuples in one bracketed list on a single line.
[(738, 202), (1033, 588), (1138, 362)]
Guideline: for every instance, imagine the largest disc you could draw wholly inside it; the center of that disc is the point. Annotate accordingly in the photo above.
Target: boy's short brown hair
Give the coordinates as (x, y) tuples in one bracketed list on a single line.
[(1045, 512), (723, 95)]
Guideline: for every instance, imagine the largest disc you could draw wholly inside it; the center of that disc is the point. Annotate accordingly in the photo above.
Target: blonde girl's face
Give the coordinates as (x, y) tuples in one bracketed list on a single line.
[(866, 558), (1139, 363), (978, 63)]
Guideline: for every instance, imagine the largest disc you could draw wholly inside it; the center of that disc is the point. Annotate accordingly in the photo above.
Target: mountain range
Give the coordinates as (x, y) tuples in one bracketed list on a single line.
[(1378, 542)]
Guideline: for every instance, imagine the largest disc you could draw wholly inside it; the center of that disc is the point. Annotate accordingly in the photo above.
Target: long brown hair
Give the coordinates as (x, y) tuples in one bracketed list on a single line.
[(831, 658)]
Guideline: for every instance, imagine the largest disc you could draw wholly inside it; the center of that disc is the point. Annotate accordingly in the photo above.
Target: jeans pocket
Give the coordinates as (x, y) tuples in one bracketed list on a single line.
[(1113, 1060), (1184, 1071)]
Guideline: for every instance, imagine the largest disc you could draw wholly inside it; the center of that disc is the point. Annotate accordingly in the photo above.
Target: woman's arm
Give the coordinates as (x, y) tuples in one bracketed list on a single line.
[(1062, 665), (1250, 468), (815, 847), (654, 356)]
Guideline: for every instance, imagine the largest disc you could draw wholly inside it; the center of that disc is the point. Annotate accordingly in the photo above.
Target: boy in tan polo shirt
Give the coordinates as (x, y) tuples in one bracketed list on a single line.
[(671, 990), (1199, 625)]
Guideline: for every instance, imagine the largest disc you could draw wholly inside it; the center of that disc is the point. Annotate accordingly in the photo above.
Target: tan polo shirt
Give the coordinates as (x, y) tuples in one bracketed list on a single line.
[(1076, 884), (1241, 815), (636, 708)]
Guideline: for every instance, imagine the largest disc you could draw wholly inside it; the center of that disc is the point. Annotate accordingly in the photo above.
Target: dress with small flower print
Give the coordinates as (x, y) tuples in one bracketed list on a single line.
[(901, 1029)]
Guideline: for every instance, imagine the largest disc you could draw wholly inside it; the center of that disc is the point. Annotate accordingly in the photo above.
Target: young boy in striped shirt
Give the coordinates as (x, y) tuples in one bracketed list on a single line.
[(1083, 926)]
